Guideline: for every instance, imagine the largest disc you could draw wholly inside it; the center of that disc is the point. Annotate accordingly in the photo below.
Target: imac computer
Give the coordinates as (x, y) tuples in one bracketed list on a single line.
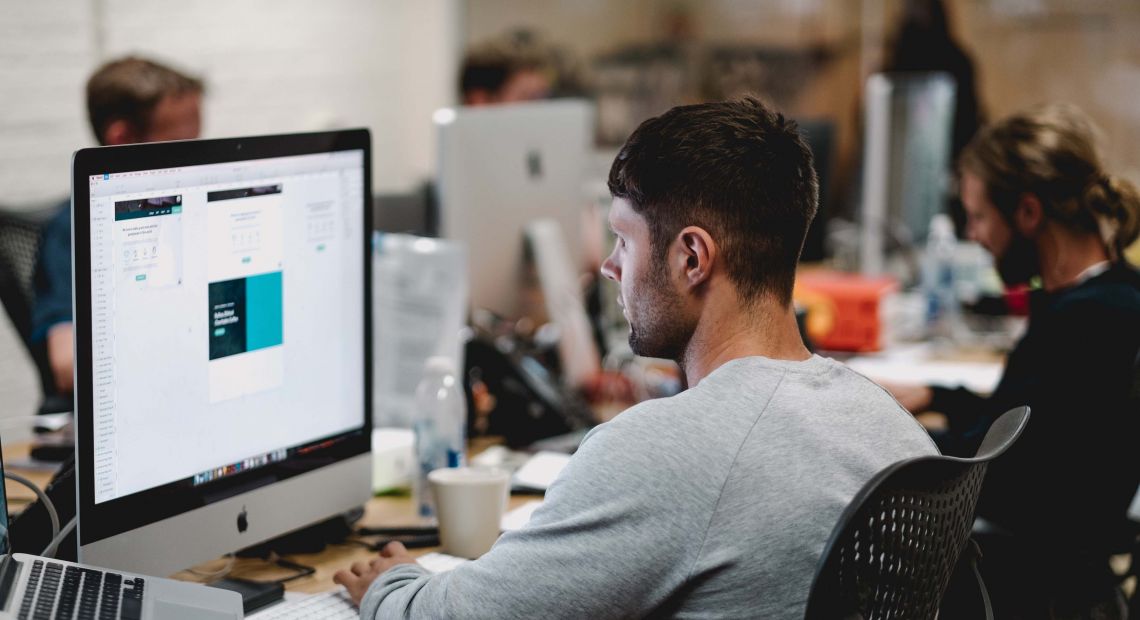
[(223, 343), (906, 161), (502, 168)]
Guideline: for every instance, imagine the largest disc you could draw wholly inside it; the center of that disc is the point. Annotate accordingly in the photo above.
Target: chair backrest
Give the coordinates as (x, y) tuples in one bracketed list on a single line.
[(19, 251), (897, 544)]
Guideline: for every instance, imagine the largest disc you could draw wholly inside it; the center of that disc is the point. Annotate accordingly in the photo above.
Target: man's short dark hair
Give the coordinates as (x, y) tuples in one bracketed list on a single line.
[(130, 88), (737, 169)]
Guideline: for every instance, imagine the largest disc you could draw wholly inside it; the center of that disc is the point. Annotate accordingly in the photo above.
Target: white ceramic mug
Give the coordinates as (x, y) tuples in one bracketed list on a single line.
[(469, 503)]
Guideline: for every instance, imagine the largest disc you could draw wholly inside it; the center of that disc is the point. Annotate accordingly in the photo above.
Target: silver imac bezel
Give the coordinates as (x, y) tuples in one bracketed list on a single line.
[(162, 530)]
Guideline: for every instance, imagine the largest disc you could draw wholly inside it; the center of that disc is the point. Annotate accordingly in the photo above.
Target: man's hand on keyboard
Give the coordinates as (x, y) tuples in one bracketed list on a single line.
[(361, 574)]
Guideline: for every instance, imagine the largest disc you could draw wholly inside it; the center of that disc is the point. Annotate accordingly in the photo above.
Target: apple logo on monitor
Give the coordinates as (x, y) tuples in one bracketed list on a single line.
[(242, 520), (534, 164)]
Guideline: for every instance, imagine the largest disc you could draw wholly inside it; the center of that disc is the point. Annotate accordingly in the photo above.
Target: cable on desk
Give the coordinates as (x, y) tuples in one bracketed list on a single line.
[(50, 507), (272, 558), (231, 559), (304, 571), (53, 546)]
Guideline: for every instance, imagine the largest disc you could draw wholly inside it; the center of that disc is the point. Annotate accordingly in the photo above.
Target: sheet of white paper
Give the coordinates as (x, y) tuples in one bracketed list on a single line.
[(914, 365), (440, 562), (540, 471)]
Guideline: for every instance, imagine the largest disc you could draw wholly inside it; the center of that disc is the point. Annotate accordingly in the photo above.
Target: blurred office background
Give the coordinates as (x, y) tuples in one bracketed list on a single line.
[(294, 65)]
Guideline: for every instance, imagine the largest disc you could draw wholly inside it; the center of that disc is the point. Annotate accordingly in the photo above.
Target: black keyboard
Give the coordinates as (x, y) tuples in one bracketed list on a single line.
[(64, 592)]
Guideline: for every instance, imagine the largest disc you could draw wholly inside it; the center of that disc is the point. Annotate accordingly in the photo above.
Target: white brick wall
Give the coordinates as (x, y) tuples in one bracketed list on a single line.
[(271, 66), (46, 51)]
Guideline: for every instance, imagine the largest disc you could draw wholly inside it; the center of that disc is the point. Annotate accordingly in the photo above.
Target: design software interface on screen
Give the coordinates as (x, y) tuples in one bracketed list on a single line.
[(227, 316)]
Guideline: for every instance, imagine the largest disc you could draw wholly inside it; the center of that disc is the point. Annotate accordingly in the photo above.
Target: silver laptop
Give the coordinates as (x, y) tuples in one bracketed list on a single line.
[(35, 588)]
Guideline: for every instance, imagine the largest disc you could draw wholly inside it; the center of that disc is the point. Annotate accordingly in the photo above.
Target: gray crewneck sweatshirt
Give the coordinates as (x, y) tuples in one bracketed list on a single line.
[(715, 503)]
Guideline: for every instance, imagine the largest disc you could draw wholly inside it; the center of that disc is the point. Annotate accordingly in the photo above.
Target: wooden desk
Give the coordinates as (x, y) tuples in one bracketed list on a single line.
[(389, 511), (379, 512), (18, 494)]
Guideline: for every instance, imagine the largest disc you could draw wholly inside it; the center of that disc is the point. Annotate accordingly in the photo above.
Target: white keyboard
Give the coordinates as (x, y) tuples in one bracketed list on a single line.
[(334, 605)]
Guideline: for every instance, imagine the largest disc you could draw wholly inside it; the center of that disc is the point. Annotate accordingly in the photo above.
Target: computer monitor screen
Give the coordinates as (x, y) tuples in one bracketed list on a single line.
[(223, 343)]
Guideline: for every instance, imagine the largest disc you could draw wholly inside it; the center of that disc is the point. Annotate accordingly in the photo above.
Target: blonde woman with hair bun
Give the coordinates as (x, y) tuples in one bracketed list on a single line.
[(1040, 199)]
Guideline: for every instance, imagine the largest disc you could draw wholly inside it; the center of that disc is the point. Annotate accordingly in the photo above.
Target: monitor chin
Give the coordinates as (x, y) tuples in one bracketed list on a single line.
[(200, 535)]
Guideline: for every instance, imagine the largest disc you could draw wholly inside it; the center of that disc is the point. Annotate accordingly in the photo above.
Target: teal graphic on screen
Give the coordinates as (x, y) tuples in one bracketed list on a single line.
[(245, 314)]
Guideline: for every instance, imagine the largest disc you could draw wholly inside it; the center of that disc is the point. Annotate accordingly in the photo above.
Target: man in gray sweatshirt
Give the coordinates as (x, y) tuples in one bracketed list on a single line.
[(715, 503)]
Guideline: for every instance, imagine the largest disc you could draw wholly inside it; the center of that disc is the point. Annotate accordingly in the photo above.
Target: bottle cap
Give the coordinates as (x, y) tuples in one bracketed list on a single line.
[(941, 226)]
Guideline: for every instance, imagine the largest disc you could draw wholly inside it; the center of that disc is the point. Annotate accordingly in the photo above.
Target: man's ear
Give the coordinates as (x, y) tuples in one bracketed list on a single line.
[(120, 131), (695, 255), (1028, 214)]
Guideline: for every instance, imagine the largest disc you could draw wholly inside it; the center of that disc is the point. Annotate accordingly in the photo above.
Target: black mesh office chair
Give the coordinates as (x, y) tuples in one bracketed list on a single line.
[(19, 251), (898, 543)]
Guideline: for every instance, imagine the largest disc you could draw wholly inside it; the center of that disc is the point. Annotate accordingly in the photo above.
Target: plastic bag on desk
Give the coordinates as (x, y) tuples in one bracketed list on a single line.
[(419, 309)]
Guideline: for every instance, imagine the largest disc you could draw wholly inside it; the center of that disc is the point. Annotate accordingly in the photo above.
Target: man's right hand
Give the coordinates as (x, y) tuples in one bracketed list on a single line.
[(359, 577), (61, 356)]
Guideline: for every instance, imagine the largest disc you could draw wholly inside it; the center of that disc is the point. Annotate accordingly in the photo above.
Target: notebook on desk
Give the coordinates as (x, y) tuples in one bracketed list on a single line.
[(36, 587)]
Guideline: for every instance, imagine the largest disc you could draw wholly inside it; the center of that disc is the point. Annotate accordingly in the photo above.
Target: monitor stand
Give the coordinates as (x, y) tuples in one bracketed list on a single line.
[(311, 539)]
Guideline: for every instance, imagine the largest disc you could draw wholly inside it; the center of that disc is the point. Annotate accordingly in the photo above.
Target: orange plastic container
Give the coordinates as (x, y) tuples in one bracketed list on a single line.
[(843, 308)]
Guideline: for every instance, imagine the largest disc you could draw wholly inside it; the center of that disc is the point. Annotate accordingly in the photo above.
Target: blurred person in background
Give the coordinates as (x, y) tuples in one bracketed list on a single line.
[(923, 41), (1055, 506), (515, 67), (129, 100)]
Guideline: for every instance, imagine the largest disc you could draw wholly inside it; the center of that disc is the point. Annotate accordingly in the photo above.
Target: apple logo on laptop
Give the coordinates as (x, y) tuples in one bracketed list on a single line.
[(242, 520)]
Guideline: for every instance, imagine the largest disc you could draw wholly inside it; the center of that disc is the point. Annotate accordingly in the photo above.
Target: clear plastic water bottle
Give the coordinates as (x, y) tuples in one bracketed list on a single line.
[(942, 310), (440, 421)]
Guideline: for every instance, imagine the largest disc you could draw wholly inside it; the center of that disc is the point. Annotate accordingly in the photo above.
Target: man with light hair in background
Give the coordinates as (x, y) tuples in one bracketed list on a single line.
[(129, 100), (509, 69)]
